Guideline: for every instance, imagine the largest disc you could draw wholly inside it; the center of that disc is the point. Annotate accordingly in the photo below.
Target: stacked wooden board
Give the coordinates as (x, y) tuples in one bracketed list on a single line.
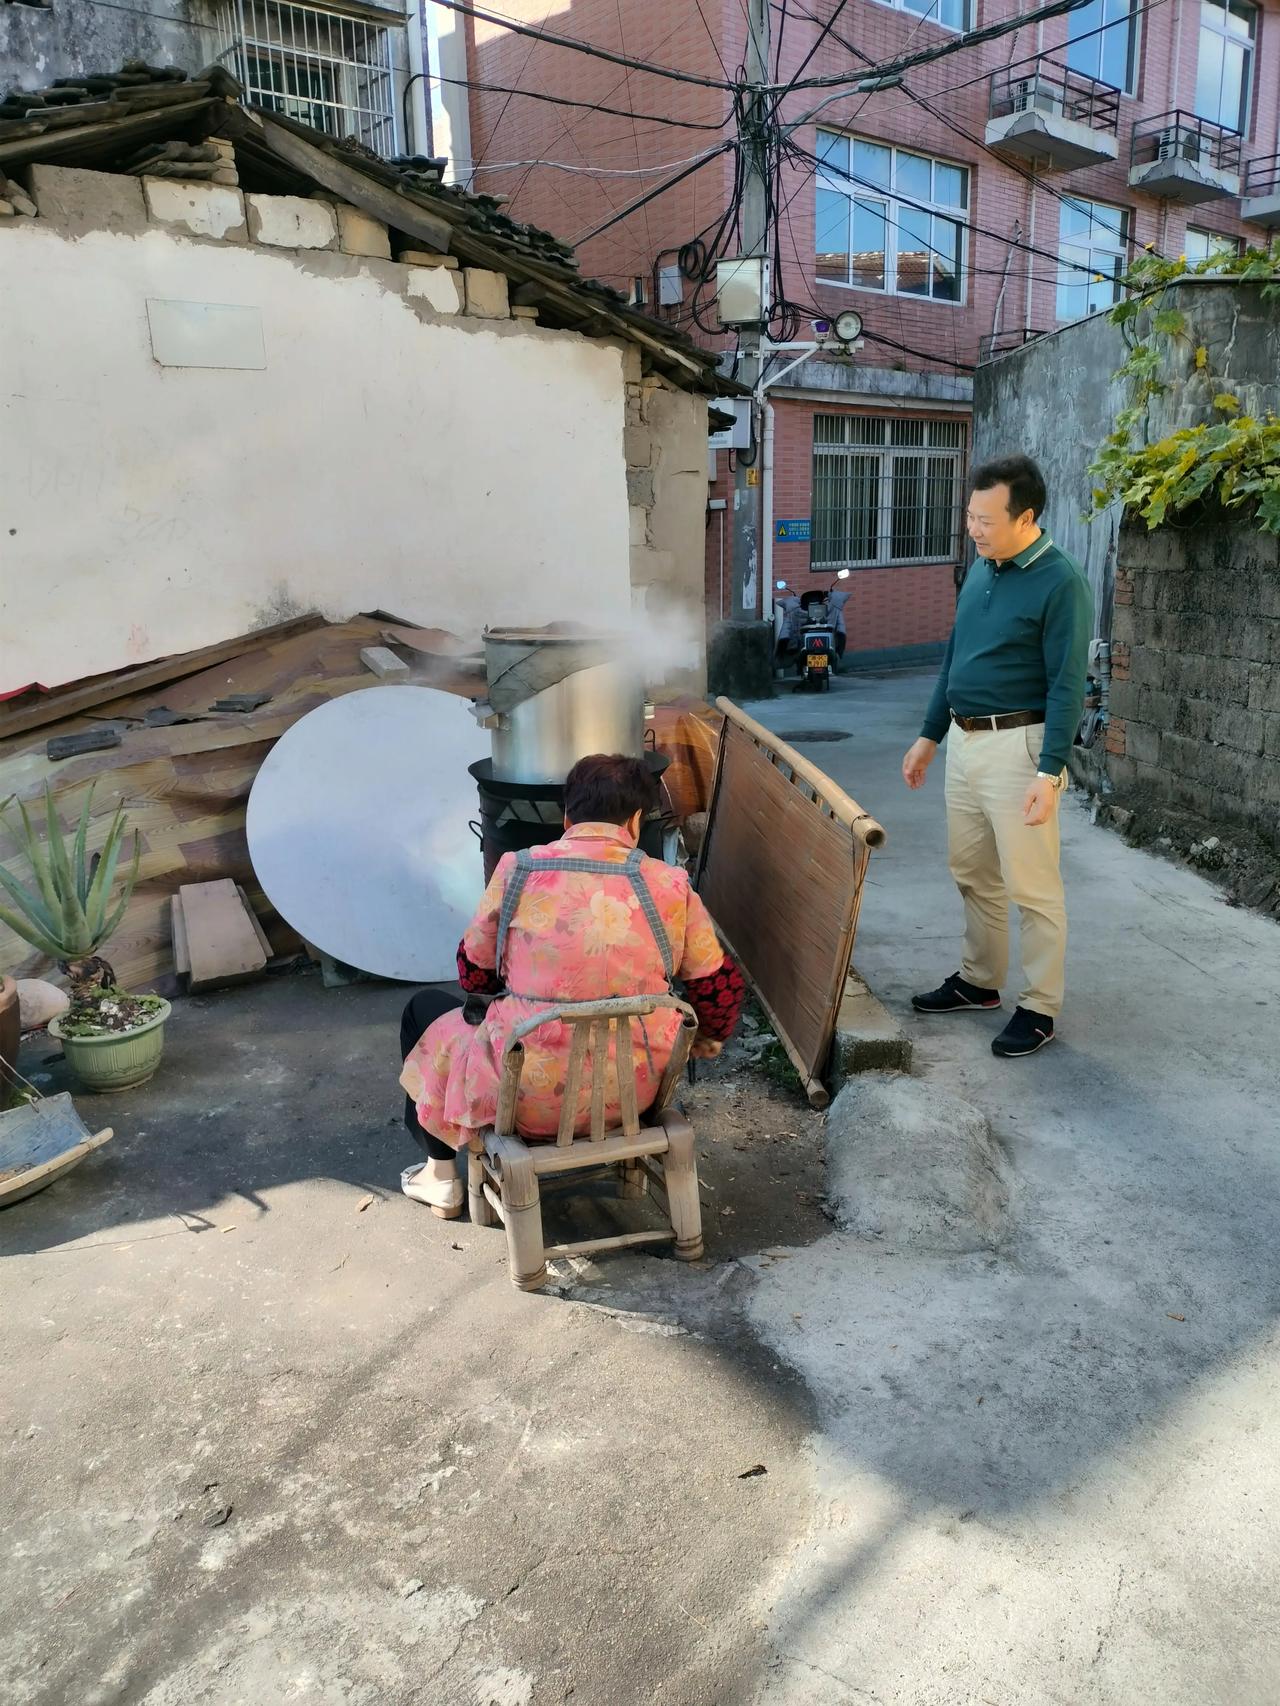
[(183, 784), (216, 936)]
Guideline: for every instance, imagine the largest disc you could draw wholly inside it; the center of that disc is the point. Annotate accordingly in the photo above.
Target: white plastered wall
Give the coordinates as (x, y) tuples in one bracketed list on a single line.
[(451, 471)]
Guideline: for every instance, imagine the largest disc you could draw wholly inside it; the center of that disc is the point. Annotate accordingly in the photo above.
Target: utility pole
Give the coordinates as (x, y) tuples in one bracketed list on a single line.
[(755, 242)]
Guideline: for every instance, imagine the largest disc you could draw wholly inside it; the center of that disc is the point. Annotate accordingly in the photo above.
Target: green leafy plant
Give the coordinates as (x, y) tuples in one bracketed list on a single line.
[(1235, 460), (66, 911)]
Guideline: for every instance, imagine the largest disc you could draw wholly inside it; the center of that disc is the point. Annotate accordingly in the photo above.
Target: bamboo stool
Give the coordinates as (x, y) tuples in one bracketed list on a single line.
[(503, 1170)]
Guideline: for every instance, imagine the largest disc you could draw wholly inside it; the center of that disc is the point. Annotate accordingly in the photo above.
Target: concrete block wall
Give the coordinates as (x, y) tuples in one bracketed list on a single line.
[(78, 202), (1195, 692), (665, 443)]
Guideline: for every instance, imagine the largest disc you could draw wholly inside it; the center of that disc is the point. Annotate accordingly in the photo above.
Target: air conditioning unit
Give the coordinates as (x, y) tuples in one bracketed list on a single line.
[(1032, 96), (1178, 144)]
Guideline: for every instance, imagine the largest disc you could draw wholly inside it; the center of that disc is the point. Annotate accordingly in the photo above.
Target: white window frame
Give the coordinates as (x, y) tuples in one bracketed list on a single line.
[(1214, 242), (942, 446), (355, 60), (929, 17), (1129, 88), (1106, 246), (1208, 24), (892, 201)]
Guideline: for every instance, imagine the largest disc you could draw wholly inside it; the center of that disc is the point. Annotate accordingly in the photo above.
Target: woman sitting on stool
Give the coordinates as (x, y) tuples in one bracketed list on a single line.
[(581, 919)]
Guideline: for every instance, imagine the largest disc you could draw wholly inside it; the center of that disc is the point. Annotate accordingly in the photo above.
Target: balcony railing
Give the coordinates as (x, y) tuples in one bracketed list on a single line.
[(1000, 343), (1260, 192), (1181, 157), (1262, 177), (1183, 137), (1056, 92)]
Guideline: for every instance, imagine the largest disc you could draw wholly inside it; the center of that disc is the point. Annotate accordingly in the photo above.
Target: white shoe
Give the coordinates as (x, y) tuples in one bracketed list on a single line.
[(442, 1196)]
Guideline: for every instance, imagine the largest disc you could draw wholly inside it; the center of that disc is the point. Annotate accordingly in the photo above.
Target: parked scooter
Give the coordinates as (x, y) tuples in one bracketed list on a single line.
[(817, 647)]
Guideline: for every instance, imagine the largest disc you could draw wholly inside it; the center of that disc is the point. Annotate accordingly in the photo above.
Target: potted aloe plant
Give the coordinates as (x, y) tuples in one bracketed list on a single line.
[(112, 1040)]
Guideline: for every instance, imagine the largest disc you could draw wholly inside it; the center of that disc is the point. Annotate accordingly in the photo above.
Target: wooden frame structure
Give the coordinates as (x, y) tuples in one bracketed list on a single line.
[(782, 870), (658, 1157)]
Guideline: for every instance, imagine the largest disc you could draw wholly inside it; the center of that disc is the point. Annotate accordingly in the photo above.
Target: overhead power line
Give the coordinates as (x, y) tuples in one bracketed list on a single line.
[(653, 194), (1032, 58), (926, 56), (926, 105), (604, 171), (586, 47), (586, 106)]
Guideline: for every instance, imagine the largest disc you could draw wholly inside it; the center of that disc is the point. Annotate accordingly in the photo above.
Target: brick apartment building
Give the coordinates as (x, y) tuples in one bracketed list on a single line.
[(996, 195)]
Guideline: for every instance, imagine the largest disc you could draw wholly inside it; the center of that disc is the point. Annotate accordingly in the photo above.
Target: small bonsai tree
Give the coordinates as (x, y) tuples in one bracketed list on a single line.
[(64, 912)]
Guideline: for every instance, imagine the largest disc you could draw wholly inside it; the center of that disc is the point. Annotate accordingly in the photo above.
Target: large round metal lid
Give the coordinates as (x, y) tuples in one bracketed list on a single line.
[(358, 832)]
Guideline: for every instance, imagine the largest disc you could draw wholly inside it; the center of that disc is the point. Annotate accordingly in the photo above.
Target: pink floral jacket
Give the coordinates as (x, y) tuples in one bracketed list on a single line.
[(574, 937)]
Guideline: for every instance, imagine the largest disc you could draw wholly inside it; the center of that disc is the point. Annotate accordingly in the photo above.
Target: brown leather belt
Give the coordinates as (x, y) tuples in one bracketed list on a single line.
[(1009, 720)]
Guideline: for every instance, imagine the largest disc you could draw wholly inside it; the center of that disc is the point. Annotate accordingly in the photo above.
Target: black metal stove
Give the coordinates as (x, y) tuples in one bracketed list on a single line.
[(515, 815)]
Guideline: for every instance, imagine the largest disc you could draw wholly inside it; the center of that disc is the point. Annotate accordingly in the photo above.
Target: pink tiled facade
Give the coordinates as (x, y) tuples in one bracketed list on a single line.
[(1005, 288)]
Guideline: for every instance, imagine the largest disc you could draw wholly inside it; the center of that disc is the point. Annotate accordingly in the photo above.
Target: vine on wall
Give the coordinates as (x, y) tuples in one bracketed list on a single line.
[(1236, 458)]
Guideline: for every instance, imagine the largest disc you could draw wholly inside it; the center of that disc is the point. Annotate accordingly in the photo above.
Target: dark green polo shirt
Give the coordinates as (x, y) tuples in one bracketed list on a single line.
[(1020, 643)]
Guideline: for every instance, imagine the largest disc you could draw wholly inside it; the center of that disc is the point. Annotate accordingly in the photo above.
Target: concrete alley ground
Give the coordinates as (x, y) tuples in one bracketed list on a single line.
[(264, 1444)]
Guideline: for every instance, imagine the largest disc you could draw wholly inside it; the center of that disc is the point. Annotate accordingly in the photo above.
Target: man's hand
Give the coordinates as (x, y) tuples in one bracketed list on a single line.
[(917, 762), (1042, 797), (705, 1048)]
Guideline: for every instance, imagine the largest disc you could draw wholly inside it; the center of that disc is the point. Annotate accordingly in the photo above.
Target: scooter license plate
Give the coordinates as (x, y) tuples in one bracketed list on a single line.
[(818, 660)]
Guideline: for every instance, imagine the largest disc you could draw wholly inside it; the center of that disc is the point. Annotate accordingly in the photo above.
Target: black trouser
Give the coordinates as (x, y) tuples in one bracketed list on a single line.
[(424, 1009)]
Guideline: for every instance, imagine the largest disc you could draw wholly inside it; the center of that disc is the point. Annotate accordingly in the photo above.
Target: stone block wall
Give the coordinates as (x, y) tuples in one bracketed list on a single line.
[(1195, 696), (77, 203), (665, 440)]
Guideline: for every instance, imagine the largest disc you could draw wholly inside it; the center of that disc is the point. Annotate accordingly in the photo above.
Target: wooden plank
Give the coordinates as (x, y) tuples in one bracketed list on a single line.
[(222, 944), (74, 701), (600, 1029), (349, 182), (550, 1158), (47, 144), (263, 939), (573, 1081), (624, 1241), (181, 952), (627, 1080)]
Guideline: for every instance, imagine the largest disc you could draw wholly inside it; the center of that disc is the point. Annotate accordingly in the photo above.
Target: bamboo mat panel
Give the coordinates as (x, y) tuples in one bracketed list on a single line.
[(781, 878)]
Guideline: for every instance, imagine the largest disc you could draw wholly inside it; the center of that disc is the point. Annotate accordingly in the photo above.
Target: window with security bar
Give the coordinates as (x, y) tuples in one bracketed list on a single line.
[(331, 70), (885, 491)]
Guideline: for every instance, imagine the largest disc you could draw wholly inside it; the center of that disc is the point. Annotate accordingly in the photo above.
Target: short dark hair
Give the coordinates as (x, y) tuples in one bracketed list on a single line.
[(609, 789), (1021, 475)]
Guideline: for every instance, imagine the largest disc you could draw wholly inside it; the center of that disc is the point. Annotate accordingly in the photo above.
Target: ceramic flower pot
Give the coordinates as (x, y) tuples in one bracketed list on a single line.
[(117, 1060)]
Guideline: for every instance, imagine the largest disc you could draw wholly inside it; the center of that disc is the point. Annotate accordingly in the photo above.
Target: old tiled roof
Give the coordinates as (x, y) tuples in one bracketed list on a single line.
[(100, 121)]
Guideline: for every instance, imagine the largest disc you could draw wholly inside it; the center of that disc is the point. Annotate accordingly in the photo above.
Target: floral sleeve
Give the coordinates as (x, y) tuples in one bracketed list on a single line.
[(480, 939), (702, 951)]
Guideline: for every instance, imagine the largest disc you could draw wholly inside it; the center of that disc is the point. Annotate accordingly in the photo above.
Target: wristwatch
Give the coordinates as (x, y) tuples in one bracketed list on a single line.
[(1048, 776)]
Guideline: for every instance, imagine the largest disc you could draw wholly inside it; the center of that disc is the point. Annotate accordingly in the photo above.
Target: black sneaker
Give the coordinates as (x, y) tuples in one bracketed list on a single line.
[(1024, 1034), (956, 996)]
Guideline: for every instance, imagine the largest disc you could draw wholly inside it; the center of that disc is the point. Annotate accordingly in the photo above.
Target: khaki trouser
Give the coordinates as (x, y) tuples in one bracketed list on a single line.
[(997, 861)]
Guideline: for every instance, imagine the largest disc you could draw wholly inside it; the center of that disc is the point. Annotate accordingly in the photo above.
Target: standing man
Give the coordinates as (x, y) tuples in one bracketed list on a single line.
[(1013, 684)]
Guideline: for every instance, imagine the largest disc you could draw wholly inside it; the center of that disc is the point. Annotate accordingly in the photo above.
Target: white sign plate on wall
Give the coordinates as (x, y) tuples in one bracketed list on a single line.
[(206, 334)]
